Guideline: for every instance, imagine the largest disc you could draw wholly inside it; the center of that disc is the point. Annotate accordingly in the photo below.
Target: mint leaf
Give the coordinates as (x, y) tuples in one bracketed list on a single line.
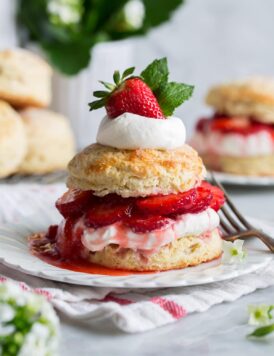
[(156, 74), (172, 95), (262, 331)]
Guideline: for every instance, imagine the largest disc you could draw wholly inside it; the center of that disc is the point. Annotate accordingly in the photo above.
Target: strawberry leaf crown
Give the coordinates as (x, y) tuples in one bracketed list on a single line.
[(169, 95)]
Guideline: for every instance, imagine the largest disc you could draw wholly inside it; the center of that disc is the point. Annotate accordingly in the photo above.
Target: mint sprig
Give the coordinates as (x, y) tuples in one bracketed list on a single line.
[(170, 95)]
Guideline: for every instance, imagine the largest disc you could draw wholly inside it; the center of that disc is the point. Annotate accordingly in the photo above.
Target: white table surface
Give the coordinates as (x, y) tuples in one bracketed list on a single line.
[(220, 331)]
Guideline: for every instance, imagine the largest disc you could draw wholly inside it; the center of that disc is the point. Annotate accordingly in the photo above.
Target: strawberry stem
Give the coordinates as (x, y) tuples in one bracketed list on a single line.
[(107, 85), (116, 77)]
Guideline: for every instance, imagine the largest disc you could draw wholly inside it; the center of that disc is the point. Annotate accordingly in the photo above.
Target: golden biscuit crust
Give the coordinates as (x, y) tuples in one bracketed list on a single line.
[(25, 79), (251, 97), (181, 253), (13, 142), (135, 172), (250, 166), (50, 141)]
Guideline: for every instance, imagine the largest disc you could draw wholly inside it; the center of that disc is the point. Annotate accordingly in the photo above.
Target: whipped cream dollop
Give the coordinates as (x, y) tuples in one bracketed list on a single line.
[(234, 144), (131, 131), (117, 233)]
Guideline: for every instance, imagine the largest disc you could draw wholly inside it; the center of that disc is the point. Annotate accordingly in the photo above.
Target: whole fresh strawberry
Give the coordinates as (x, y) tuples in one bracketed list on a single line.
[(149, 95)]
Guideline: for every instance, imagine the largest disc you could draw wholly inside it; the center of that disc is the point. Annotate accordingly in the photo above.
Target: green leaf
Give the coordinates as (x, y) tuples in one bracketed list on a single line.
[(69, 58), (156, 74), (107, 85), (100, 93), (128, 72), (97, 104), (172, 95), (159, 11), (271, 308), (262, 331), (116, 77)]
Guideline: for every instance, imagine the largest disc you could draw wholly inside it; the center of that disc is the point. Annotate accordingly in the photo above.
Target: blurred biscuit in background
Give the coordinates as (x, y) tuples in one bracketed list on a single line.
[(13, 143), (50, 141), (253, 97), (25, 79)]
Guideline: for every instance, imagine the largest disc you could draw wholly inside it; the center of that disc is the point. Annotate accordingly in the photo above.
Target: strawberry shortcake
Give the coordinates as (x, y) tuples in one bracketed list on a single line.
[(239, 137), (137, 199)]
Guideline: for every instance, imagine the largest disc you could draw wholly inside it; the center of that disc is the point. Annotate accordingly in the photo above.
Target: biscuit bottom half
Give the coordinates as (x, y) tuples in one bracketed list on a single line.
[(183, 252), (250, 166)]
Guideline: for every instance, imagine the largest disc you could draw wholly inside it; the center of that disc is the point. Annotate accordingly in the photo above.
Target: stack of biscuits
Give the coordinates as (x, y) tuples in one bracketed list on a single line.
[(33, 139)]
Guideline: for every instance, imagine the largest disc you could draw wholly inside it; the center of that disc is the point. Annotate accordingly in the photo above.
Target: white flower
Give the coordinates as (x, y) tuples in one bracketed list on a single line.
[(66, 12), (260, 315), (6, 330), (233, 252), (43, 336), (134, 12), (39, 342), (7, 313)]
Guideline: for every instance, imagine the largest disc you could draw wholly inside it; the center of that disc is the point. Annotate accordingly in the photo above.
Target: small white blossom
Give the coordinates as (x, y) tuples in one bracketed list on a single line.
[(233, 252), (6, 313), (6, 330), (134, 12), (260, 315), (66, 12), (43, 336)]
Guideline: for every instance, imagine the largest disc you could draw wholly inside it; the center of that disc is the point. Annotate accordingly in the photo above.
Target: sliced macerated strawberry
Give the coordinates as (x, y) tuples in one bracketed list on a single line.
[(133, 96), (52, 232), (107, 212), (194, 200), (230, 124), (74, 202), (167, 204), (202, 201), (218, 197), (68, 241), (141, 224)]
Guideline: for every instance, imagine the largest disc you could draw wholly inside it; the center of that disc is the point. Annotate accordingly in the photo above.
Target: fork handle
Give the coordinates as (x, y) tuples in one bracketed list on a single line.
[(267, 240)]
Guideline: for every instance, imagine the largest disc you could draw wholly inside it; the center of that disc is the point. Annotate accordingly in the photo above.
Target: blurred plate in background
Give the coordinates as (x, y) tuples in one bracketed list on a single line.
[(234, 179)]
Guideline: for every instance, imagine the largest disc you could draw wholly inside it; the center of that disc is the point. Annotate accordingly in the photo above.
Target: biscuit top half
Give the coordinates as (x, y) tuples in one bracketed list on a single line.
[(253, 97)]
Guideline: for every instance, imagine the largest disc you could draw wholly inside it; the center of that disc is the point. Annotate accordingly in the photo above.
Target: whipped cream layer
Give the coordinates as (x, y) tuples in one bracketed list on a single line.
[(130, 131), (184, 225), (234, 144)]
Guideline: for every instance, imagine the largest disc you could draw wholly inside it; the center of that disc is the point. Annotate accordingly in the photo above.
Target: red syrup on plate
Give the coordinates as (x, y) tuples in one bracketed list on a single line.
[(53, 258)]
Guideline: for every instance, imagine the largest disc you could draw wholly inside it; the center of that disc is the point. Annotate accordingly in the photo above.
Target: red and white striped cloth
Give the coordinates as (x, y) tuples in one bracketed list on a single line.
[(129, 310), (139, 310)]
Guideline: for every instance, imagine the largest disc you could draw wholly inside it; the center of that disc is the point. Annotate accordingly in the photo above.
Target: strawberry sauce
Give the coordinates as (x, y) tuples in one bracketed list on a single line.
[(51, 255), (85, 266), (230, 124)]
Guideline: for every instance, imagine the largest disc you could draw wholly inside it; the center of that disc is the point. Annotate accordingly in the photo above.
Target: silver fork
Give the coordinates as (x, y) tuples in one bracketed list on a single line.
[(234, 226)]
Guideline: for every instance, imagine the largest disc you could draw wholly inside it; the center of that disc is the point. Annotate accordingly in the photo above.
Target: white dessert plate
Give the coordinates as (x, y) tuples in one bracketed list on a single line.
[(14, 253), (234, 179)]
